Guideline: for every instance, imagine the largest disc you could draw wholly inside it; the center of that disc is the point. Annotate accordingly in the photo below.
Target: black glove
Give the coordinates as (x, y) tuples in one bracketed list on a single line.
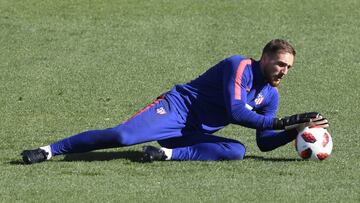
[(300, 121)]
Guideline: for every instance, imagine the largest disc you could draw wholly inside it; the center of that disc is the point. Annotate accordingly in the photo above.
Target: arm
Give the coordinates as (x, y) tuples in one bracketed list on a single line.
[(236, 76), (268, 140)]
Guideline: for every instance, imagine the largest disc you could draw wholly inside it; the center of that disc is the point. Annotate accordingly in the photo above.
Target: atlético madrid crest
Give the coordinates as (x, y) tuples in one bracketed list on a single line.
[(161, 111), (259, 99)]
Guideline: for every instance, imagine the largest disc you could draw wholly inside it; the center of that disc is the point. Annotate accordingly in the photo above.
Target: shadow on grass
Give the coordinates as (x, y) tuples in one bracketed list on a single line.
[(134, 156), (260, 158), (15, 162)]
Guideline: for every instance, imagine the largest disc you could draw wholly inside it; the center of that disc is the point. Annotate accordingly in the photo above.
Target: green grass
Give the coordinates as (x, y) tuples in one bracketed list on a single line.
[(70, 66)]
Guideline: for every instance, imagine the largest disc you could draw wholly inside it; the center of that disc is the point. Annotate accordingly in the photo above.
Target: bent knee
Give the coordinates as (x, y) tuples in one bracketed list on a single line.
[(236, 151), (122, 138)]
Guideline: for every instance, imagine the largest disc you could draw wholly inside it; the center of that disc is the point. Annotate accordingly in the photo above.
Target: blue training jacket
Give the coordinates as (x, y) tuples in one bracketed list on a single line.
[(234, 91)]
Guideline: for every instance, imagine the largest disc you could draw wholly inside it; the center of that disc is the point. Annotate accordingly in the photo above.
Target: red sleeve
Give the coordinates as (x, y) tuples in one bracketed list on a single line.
[(236, 74)]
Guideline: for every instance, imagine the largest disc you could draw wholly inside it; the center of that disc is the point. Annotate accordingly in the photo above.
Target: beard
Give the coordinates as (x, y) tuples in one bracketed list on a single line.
[(271, 78), (274, 83)]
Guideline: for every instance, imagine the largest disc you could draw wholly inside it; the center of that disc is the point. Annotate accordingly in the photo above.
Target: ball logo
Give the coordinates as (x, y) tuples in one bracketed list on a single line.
[(322, 156), (306, 153), (308, 137), (325, 140)]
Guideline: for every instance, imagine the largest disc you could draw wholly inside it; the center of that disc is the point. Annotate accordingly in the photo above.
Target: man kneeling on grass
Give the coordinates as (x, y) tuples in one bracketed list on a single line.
[(237, 90)]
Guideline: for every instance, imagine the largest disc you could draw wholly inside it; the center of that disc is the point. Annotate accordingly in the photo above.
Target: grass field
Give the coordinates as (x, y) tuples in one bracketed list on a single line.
[(71, 66)]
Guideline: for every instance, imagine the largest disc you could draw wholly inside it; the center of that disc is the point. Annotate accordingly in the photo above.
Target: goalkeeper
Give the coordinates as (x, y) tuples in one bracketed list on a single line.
[(183, 121)]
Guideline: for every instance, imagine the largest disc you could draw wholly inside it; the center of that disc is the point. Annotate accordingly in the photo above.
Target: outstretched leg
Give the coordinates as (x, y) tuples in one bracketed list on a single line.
[(157, 121), (88, 141), (204, 147)]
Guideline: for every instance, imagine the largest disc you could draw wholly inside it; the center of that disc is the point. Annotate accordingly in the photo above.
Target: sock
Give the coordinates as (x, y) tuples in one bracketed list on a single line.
[(47, 149), (168, 153)]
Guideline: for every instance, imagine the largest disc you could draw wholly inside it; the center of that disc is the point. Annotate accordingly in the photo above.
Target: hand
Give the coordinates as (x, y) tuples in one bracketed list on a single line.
[(319, 121), (300, 121)]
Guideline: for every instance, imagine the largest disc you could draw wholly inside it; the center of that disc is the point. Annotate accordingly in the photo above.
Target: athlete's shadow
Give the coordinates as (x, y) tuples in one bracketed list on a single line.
[(134, 156), (272, 159)]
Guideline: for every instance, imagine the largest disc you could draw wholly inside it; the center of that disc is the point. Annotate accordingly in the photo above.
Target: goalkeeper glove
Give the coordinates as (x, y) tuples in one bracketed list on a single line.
[(300, 121)]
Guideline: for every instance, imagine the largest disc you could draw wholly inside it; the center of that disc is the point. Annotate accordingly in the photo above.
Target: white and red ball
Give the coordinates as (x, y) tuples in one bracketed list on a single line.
[(314, 143)]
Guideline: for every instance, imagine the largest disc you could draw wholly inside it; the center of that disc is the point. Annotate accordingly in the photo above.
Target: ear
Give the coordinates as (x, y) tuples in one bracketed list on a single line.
[(265, 58)]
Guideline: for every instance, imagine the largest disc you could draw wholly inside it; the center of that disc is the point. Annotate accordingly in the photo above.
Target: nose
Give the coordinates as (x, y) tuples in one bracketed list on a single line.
[(285, 70)]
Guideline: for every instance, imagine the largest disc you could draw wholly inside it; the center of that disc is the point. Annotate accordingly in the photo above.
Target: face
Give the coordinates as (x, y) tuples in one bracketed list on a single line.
[(275, 67)]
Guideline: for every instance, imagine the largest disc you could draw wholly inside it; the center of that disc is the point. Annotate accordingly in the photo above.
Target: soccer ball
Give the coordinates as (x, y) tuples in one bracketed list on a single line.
[(314, 143)]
